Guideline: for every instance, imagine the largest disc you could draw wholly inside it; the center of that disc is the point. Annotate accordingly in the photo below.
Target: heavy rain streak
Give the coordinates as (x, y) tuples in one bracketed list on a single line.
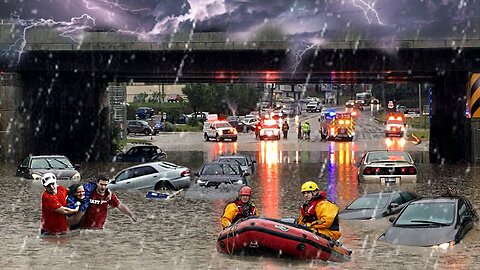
[(356, 113)]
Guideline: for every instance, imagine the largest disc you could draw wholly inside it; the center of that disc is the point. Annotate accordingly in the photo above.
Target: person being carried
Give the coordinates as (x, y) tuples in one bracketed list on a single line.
[(96, 214), (240, 208), (76, 198), (317, 213), (54, 210)]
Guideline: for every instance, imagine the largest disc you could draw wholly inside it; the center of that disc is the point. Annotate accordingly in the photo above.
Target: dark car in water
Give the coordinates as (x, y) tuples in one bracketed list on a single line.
[(439, 221), (141, 153), (33, 167), (377, 205), (215, 174)]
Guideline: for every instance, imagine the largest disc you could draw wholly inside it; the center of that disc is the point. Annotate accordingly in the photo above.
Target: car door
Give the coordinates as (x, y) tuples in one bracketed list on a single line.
[(464, 211), (23, 168), (145, 177), (123, 180)]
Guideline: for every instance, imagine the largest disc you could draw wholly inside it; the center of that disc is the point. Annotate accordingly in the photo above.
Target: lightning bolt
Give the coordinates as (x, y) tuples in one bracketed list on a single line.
[(366, 8), (307, 46), (114, 4), (66, 29)]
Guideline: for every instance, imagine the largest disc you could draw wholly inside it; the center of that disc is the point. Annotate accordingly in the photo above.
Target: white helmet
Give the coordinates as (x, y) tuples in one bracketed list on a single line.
[(49, 178)]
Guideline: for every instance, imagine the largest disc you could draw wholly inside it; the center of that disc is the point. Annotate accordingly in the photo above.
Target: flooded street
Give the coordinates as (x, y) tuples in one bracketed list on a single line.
[(181, 233)]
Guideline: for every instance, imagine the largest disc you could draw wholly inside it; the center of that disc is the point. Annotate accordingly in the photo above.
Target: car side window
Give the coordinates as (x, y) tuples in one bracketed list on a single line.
[(146, 170), (124, 175), (398, 199), (407, 196), (25, 162)]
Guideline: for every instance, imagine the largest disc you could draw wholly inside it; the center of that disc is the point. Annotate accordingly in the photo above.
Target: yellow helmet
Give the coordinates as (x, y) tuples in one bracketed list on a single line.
[(309, 186)]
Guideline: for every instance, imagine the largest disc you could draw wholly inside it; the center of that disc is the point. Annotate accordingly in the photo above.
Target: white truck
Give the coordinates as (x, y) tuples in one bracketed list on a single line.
[(218, 130), (314, 106)]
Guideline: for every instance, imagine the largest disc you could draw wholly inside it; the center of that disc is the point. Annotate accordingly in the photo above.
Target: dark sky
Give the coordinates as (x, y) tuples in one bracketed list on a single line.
[(307, 20)]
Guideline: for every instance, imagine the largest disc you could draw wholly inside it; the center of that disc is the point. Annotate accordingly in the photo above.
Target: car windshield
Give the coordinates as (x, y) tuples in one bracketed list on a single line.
[(427, 213), (241, 161), (394, 122), (369, 202), (51, 163), (388, 156), (223, 125), (219, 169)]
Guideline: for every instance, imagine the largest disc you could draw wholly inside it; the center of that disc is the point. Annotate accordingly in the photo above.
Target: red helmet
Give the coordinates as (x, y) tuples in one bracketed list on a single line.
[(245, 190)]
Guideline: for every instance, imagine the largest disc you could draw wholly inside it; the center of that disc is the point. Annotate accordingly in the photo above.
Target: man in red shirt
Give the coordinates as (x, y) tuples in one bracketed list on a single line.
[(54, 210), (96, 214)]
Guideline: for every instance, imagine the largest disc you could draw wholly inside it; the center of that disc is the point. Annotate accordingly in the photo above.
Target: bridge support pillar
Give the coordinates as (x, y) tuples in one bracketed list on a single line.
[(475, 149), (12, 143), (449, 132), (65, 113)]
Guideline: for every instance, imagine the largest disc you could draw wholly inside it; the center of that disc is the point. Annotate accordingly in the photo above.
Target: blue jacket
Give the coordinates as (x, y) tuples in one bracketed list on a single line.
[(72, 202)]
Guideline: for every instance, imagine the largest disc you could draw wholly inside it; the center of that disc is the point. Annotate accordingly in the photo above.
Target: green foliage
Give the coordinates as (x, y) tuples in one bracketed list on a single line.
[(169, 127), (227, 99), (116, 141)]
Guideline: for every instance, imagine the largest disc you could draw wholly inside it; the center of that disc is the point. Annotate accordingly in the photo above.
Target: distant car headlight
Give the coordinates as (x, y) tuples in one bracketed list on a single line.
[(76, 177), (240, 181), (36, 176)]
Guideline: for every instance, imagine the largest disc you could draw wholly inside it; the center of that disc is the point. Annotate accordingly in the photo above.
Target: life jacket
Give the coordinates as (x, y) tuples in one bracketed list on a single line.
[(244, 210), (310, 215)]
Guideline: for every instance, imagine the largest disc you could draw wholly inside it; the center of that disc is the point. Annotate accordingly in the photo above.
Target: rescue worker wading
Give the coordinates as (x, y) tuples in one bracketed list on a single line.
[(285, 129), (239, 208), (319, 214)]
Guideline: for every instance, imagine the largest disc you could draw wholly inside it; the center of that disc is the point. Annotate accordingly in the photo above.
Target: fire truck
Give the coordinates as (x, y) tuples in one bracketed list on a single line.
[(395, 125), (324, 121), (342, 127)]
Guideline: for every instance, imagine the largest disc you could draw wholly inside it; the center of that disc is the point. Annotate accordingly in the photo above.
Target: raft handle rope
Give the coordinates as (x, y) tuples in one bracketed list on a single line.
[(231, 231)]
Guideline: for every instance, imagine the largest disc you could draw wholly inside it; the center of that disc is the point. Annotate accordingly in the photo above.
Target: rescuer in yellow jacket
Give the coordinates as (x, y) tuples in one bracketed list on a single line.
[(239, 208), (317, 213)]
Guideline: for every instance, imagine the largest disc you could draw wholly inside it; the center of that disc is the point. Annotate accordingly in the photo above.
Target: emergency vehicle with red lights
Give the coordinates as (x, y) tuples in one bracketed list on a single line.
[(269, 129), (219, 130), (342, 127), (395, 125)]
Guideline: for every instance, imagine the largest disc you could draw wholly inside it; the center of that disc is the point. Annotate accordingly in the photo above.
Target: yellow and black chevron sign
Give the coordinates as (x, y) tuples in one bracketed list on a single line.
[(474, 87)]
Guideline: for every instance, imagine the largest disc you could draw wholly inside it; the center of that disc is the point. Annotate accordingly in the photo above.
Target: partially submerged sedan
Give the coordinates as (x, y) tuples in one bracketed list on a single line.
[(33, 167), (387, 167), (440, 221), (215, 174), (377, 205), (157, 175)]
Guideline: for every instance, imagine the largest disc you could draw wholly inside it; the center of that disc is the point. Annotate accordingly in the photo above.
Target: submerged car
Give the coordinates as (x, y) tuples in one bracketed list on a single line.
[(245, 162), (33, 167), (377, 205), (141, 153), (387, 167), (440, 221), (215, 174), (157, 175)]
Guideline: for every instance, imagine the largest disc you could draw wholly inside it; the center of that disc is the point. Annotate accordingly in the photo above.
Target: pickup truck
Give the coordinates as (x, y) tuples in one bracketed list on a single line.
[(314, 106)]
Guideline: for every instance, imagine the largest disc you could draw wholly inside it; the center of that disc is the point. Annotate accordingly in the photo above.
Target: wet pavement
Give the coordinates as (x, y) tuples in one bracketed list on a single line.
[(181, 233)]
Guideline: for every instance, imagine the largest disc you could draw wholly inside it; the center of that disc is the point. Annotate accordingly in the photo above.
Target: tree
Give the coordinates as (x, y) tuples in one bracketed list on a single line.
[(198, 95)]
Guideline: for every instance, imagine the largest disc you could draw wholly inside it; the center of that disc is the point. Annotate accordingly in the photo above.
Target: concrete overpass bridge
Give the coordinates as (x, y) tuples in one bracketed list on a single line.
[(53, 97)]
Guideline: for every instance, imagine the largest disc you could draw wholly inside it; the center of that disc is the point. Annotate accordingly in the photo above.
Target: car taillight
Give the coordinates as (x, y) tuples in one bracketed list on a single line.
[(185, 173), (408, 170), (371, 170)]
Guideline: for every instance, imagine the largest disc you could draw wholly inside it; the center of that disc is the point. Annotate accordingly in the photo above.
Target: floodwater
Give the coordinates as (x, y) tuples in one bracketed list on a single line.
[(181, 233)]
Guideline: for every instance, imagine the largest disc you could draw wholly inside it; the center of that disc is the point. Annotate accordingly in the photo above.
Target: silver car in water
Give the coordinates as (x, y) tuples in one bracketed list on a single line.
[(387, 167), (157, 175)]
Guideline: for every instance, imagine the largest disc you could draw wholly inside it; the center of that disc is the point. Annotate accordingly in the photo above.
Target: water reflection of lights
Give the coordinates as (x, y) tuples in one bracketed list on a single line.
[(270, 183), (342, 174), (395, 143), (221, 148)]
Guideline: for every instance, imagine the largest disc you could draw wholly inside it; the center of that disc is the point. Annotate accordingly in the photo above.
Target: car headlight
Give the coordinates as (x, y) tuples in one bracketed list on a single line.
[(36, 176), (220, 132), (200, 181), (240, 181), (444, 245), (76, 177)]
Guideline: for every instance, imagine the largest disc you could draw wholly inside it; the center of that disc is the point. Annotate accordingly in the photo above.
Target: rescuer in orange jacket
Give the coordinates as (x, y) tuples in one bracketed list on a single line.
[(319, 214), (239, 208)]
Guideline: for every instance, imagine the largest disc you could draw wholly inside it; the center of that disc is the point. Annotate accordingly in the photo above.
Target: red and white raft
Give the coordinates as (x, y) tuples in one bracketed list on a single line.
[(257, 235)]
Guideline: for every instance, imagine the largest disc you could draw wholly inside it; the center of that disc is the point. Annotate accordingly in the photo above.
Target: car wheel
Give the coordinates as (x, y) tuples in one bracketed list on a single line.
[(128, 131), (163, 186), (217, 138), (205, 137), (234, 139), (146, 132)]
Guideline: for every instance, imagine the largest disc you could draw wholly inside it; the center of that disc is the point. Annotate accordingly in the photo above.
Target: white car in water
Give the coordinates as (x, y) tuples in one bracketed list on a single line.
[(157, 175), (387, 167)]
